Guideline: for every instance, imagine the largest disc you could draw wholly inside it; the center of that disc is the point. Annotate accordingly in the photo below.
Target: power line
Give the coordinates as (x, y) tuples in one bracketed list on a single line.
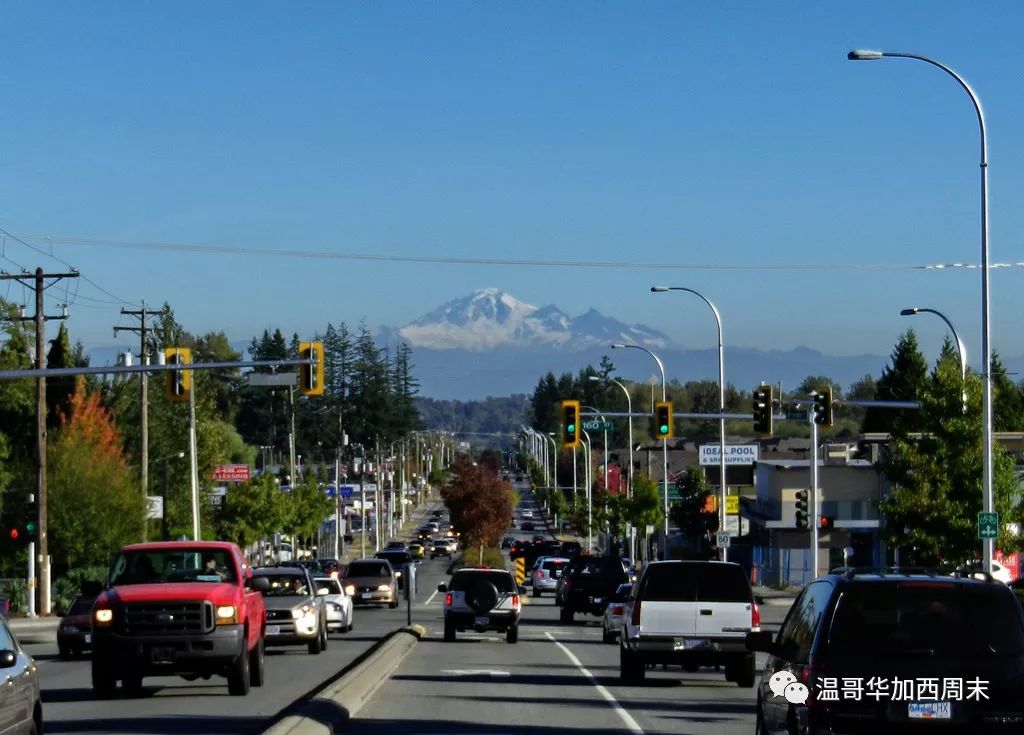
[(524, 262)]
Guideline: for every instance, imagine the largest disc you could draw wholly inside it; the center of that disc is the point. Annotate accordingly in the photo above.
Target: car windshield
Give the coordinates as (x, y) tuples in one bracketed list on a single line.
[(332, 586), (368, 569), (286, 585), (81, 606), (158, 566), (926, 619), (463, 581)]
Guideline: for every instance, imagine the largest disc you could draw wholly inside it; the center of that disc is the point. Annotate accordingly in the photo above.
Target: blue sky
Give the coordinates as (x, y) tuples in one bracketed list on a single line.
[(698, 132)]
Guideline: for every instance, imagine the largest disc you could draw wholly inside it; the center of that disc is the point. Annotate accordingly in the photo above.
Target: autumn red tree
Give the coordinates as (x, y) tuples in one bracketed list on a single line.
[(94, 503), (479, 503)]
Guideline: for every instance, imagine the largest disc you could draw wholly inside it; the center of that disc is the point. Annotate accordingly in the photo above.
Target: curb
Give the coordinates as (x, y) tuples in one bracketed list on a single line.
[(33, 625), (341, 699)]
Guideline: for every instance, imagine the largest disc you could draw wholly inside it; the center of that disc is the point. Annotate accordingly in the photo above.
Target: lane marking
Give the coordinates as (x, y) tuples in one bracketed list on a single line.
[(626, 718), (475, 672), (430, 599)]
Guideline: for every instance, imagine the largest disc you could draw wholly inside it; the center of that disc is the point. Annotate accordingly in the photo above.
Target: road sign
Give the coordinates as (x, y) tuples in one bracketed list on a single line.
[(231, 473), (271, 380), (732, 505), (737, 526), (794, 414), (156, 507), (988, 525), (722, 539), (734, 454), (520, 570), (597, 425)]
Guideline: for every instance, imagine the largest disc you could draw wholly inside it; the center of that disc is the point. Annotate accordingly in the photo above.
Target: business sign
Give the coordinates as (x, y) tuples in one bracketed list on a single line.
[(734, 454), (231, 473), (736, 526)]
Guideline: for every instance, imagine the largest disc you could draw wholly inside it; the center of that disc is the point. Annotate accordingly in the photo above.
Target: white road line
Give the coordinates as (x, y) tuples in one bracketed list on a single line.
[(630, 723), (430, 599)]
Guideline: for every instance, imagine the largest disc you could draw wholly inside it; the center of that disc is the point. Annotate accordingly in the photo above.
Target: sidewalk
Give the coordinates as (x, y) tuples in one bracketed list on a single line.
[(772, 596)]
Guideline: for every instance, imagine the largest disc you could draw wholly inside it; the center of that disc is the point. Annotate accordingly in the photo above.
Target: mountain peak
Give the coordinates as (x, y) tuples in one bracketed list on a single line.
[(489, 318)]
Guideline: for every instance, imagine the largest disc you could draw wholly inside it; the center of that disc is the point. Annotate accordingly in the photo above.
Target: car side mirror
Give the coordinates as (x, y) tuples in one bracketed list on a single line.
[(760, 641), (260, 584), (8, 659), (322, 592), (442, 587)]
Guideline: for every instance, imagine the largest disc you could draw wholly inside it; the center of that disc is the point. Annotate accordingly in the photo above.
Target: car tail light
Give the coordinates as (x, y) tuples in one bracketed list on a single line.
[(515, 600), (755, 616), (448, 600), (567, 585), (814, 669), (617, 609), (636, 613)]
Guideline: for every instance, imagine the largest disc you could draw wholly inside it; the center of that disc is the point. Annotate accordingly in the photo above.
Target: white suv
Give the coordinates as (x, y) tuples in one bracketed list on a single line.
[(482, 600), (690, 614)]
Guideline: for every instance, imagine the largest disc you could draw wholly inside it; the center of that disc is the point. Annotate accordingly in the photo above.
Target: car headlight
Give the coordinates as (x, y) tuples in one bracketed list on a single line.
[(398, 574), (302, 612), (104, 616), (384, 587), (227, 615), (350, 589)]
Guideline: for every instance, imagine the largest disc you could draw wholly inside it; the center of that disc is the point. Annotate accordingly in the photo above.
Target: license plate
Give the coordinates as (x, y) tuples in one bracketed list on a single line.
[(597, 600), (162, 653), (482, 621), (557, 573), (929, 710), (88, 638), (689, 643), (273, 630), (367, 595)]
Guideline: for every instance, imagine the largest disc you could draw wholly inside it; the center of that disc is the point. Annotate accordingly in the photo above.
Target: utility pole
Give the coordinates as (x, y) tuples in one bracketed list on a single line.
[(142, 331), (813, 509), (39, 285)]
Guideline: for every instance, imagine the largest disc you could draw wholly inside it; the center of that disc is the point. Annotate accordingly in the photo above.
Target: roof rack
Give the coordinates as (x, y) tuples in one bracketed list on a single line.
[(962, 571)]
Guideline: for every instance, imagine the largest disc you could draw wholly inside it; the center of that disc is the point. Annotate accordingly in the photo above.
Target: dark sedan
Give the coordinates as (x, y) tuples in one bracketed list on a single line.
[(74, 633)]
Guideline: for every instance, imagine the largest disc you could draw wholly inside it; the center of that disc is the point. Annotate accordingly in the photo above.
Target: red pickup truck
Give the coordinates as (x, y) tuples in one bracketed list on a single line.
[(191, 608)]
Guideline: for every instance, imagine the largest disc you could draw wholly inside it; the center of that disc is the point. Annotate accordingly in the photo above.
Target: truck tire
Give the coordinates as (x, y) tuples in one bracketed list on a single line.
[(565, 615), (631, 667), (512, 634), (239, 675), (449, 631), (256, 664), (745, 672), (132, 683), (103, 681), (393, 604), (608, 636), (316, 645)]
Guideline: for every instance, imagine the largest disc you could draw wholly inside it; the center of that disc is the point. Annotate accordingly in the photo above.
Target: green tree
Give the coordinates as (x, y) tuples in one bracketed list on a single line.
[(689, 515), (931, 512), (1007, 399), (902, 380), (645, 505)]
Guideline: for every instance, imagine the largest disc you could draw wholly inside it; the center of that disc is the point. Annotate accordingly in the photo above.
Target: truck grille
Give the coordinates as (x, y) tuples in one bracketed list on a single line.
[(166, 618)]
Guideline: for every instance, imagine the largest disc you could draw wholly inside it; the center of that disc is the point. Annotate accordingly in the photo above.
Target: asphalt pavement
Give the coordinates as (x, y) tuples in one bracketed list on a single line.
[(558, 679), (172, 705)]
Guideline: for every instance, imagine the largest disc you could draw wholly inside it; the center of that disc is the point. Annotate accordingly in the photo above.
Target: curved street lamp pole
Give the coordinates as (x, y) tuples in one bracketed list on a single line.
[(590, 531), (988, 500), (629, 477), (664, 442), (961, 350), (722, 485)]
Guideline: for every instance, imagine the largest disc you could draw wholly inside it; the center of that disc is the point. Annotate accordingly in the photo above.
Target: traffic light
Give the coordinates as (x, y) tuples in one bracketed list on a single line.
[(29, 527), (803, 516), (763, 410), (179, 382), (311, 377), (827, 523), (663, 420), (823, 407), (570, 424)]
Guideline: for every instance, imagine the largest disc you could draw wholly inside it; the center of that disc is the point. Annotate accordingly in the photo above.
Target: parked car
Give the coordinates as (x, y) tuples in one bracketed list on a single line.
[(546, 572), (74, 634), (859, 626), (690, 614), (482, 600), (21, 707), (587, 584), (295, 613), (372, 582), (337, 605), (611, 625), (191, 608)]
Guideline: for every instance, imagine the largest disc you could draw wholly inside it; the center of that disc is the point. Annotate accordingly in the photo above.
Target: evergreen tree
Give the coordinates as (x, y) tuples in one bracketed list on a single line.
[(902, 380), (1007, 399)]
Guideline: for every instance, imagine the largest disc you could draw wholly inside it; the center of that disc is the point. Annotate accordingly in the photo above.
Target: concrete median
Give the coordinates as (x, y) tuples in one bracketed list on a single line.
[(329, 709)]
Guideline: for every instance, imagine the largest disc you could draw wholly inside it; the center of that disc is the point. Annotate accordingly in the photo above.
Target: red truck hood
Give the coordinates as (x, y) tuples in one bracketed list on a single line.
[(220, 593)]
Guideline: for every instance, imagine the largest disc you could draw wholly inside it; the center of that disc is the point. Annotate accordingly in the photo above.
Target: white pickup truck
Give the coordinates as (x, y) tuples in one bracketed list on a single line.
[(690, 614)]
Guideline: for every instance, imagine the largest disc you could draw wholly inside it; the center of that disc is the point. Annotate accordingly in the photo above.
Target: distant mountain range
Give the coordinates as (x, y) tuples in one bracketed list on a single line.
[(491, 344)]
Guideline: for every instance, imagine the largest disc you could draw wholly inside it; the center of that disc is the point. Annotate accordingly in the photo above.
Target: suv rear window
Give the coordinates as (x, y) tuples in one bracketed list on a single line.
[(462, 581), (928, 618), (600, 566), (549, 566), (689, 582), (367, 569)]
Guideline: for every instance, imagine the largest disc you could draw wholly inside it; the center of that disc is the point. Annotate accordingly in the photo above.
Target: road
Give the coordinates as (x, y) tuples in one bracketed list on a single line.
[(172, 705), (558, 679)]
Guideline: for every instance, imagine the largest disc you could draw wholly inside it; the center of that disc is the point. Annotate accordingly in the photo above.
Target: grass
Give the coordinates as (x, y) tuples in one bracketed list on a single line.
[(492, 558)]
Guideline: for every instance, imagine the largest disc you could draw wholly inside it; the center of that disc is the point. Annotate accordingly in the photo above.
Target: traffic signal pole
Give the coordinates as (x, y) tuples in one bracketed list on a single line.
[(813, 513), (193, 464)]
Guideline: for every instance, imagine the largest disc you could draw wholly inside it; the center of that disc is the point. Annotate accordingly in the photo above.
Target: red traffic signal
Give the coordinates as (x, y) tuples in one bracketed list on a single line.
[(827, 523), (13, 533)]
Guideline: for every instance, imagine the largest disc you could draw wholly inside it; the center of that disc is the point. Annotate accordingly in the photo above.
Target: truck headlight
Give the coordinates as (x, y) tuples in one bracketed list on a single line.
[(302, 612), (104, 616), (227, 615), (350, 589), (384, 588)]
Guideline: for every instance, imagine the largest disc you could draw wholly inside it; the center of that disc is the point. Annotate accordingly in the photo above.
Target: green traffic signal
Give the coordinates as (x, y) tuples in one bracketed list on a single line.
[(663, 429)]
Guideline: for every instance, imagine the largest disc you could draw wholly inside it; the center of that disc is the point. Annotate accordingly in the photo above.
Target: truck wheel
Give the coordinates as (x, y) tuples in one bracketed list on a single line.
[(323, 637), (565, 615), (512, 634), (393, 604), (256, 664), (631, 667), (64, 652), (132, 683), (103, 681), (608, 636), (449, 631), (239, 675), (745, 672), (536, 592)]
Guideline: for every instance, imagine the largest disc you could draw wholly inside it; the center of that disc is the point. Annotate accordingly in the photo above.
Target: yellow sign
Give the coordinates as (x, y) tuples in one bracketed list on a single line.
[(711, 504), (732, 505), (520, 570)]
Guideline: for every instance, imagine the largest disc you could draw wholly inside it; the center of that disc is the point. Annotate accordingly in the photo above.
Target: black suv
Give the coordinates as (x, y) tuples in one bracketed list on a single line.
[(588, 584), (890, 652)]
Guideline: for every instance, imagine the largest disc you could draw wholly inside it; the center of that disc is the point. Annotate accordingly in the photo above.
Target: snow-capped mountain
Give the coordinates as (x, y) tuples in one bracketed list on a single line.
[(490, 318)]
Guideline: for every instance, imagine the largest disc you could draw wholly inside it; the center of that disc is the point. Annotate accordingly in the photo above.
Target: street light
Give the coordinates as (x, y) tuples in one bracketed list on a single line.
[(163, 520), (587, 445), (629, 409), (988, 500), (721, 402), (961, 350), (664, 442)]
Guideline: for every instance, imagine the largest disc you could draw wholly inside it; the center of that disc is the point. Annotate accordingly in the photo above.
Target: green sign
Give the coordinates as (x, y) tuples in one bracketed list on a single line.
[(597, 425), (673, 491), (988, 525), (795, 415)]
